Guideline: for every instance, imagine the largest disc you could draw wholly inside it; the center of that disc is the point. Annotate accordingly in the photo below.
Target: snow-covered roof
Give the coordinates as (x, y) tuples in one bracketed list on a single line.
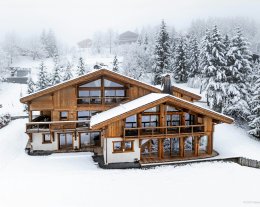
[(79, 78), (140, 102), (123, 108)]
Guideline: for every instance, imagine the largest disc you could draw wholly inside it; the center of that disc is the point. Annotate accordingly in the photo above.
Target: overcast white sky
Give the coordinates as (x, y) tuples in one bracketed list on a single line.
[(74, 20)]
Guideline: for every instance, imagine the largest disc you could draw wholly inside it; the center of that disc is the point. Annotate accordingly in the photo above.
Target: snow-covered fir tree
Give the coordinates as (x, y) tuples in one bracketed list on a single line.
[(239, 73), (81, 67), (30, 86), (115, 64), (255, 107), (181, 63), (67, 73), (56, 77), (194, 74), (216, 87), (226, 42), (43, 79), (205, 58), (162, 54)]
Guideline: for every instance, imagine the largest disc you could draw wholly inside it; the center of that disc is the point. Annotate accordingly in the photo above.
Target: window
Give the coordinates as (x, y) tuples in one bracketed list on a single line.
[(64, 115), (189, 119), (89, 97), (171, 108), (96, 83), (154, 109), (108, 83), (131, 122), (117, 146), (150, 120), (46, 138), (120, 146), (85, 115), (129, 146), (114, 96), (89, 139), (173, 120)]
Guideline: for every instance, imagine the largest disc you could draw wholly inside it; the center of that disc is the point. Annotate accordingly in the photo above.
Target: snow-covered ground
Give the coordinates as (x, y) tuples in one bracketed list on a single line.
[(10, 94), (75, 180)]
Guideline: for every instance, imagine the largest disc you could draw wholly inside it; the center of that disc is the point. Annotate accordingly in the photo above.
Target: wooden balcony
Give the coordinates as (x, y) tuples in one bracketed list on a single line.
[(52, 126), (164, 132)]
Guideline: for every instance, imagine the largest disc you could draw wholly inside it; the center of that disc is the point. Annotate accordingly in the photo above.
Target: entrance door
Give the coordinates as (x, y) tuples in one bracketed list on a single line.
[(65, 141)]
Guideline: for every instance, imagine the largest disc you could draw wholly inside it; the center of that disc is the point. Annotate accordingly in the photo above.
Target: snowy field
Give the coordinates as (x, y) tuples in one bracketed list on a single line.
[(75, 180), (10, 94)]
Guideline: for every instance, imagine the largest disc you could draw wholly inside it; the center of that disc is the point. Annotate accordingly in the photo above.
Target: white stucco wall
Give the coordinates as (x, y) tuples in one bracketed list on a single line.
[(111, 157), (38, 145)]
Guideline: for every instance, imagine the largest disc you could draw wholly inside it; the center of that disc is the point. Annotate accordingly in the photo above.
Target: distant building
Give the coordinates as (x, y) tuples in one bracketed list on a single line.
[(18, 75), (87, 43), (127, 37)]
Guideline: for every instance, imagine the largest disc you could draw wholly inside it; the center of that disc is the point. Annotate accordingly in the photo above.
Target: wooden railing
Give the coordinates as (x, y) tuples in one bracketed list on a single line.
[(100, 100), (55, 126), (168, 131)]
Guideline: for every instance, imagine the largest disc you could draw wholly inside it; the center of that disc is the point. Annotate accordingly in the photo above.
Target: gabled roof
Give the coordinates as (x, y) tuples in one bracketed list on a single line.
[(86, 77), (148, 101)]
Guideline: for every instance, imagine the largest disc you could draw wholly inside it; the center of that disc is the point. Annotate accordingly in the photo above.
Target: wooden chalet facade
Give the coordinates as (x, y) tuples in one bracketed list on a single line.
[(123, 119)]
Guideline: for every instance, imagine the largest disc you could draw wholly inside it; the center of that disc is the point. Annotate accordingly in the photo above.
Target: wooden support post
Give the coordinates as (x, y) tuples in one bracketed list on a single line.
[(170, 147), (181, 146), (159, 148), (102, 91), (210, 144), (162, 148), (196, 146)]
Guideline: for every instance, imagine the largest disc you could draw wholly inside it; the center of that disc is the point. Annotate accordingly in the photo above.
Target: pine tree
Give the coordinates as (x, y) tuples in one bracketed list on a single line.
[(162, 54), (194, 59), (56, 78), (30, 86), (240, 69), (255, 104), (81, 67), (255, 111), (43, 81), (67, 74), (216, 87), (181, 63), (115, 64)]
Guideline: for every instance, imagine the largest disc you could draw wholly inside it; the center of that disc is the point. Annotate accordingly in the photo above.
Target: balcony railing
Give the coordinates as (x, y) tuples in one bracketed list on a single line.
[(100, 100), (168, 131), (35, 127)]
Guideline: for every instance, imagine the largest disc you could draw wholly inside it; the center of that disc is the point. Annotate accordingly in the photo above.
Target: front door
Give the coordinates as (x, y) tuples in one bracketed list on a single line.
[(66, 141)]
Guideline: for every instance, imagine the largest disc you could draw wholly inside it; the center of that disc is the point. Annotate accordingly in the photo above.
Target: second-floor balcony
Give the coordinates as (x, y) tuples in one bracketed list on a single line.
[(51, 126), (164, 132)]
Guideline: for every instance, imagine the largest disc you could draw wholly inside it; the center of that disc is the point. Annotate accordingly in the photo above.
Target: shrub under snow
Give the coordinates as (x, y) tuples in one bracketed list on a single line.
[(4, 119)]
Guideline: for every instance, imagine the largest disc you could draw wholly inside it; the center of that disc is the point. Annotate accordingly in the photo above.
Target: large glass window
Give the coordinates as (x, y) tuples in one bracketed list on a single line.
[(89, 139)]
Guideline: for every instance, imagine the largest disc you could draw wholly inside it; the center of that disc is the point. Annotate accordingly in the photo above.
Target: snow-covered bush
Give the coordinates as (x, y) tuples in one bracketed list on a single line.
[(4, 119)]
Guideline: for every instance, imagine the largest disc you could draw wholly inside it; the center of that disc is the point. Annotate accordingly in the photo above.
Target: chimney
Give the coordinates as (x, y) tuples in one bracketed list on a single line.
[(166, 84)]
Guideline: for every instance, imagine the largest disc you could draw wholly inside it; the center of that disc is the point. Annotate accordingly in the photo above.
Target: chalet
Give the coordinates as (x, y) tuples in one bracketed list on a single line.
[(121, 118), (127, 37)]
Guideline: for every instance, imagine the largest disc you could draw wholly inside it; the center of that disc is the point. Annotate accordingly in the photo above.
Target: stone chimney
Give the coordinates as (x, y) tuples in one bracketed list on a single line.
[(166, 84)]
